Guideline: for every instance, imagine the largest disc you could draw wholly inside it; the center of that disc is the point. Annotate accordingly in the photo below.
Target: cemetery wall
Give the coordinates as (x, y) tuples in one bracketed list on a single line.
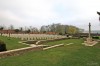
[(23, 32)]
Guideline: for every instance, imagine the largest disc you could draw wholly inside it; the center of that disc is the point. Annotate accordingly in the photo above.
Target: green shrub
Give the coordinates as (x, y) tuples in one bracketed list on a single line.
[(2, 46), (95, 37)]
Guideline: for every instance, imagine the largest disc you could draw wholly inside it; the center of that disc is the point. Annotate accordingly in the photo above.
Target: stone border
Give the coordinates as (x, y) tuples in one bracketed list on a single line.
[(36, 47), (19, 51), (23, 50), (53, 46), (69, 43)]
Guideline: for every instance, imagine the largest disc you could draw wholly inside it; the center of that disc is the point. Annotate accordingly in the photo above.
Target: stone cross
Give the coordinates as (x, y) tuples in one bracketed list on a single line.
[(89, 41), (89, 30)]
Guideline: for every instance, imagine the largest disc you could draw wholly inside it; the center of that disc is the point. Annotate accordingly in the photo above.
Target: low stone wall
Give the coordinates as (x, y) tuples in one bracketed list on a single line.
[(19, 51)]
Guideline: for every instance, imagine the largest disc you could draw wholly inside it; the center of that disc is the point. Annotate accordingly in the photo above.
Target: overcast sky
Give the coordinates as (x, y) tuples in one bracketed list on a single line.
[(43, 12)]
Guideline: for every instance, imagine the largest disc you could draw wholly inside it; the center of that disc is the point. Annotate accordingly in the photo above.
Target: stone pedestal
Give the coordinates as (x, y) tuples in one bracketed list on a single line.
[(89, 40)]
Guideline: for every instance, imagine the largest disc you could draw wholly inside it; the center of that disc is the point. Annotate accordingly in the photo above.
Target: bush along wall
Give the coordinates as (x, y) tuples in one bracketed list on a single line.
[(2, 46), (95, 37)]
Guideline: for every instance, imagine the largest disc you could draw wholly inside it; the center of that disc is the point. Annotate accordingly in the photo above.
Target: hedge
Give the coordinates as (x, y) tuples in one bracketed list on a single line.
[(2, 46)]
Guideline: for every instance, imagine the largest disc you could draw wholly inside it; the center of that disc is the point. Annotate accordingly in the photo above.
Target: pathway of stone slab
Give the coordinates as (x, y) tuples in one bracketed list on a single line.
[(69, 43), (53, 46), (58, 45)]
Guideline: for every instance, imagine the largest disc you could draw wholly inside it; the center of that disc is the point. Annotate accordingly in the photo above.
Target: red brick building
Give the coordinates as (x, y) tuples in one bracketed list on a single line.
[(7, 31)]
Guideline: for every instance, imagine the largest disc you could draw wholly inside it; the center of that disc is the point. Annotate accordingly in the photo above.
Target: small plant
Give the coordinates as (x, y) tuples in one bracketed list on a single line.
[(2, 46)]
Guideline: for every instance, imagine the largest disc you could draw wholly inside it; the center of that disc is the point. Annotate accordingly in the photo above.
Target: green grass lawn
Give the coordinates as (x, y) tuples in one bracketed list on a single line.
[(12, 43), (71, 55)]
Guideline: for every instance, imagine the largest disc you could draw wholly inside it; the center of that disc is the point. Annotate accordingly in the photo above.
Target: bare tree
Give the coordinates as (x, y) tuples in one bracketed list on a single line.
[(11, 27), (21, 29), (1, 28)]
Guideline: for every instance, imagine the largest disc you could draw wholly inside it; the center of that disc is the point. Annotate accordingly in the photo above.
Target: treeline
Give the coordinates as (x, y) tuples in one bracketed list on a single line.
[(54, 28), (61, 29)]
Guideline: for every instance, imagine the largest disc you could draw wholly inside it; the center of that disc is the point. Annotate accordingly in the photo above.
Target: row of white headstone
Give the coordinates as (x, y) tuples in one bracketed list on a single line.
[(34, 36)]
